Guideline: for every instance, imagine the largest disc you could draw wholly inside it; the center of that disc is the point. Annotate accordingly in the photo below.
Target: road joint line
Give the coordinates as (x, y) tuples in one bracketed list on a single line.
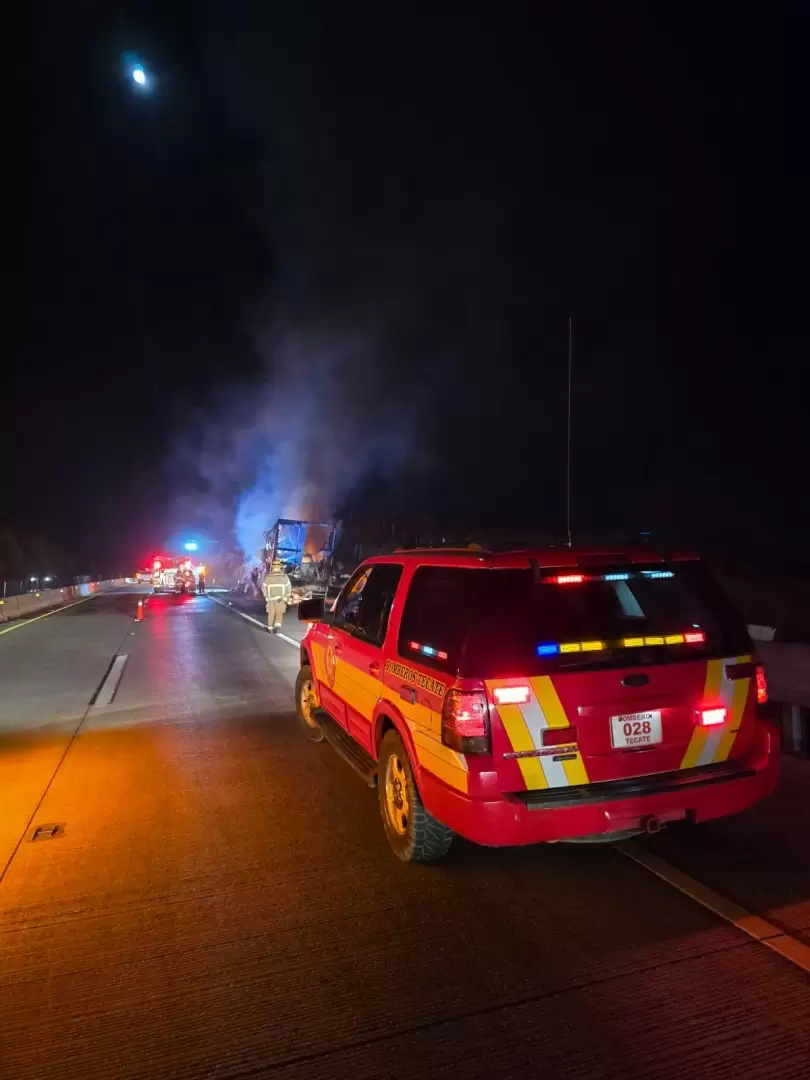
[(112, 680), (754, 926)]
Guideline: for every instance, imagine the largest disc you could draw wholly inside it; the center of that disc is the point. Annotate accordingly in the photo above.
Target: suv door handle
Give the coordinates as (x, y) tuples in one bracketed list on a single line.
[(407, 693), (374, 668)]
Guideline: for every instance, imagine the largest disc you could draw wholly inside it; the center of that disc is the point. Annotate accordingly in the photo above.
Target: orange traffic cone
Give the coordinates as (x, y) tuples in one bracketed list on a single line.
[(139, 615)]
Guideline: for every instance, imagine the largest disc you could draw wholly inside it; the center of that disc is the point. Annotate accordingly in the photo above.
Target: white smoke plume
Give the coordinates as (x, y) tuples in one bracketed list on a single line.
[(324, 417)]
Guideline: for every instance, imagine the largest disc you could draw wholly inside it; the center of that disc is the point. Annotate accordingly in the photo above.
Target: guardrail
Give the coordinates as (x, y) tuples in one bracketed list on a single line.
[(18, 607), (795, 723)]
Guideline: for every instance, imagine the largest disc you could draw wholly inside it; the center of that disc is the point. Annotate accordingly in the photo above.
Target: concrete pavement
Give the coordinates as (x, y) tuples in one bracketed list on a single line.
[(221, 901)]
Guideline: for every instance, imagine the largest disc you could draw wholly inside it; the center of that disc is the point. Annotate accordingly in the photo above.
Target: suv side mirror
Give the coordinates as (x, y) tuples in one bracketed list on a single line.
[(311, 610)]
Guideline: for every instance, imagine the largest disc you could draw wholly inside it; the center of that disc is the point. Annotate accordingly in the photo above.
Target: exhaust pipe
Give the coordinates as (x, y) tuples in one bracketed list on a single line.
[(651, 825)]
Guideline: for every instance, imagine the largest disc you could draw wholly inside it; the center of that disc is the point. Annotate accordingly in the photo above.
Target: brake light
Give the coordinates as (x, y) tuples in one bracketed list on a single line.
[(465, 722), (762, 686), (569, 579), (559, 736), (512, 695), (712, 717), (694, 637)]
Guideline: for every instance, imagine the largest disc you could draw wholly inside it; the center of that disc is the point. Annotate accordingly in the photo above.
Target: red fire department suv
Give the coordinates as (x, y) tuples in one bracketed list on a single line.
[(537, 695)]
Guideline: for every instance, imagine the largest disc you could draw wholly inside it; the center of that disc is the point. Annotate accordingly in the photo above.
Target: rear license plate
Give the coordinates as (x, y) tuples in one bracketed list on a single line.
[(635, 729)]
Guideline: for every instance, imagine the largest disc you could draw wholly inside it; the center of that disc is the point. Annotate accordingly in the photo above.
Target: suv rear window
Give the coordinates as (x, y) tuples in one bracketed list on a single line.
[(489, 623)]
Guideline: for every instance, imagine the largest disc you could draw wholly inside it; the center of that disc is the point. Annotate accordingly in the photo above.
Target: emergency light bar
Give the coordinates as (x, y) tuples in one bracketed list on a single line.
[(579, 579), (427, 650), (691, 637)]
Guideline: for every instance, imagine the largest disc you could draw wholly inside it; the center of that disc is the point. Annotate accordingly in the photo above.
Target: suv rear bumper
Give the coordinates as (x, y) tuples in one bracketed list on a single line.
[(600, 809)]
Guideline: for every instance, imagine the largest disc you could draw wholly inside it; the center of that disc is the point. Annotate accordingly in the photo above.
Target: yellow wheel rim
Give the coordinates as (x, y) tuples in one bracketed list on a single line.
[(308, 703), (396, 795)]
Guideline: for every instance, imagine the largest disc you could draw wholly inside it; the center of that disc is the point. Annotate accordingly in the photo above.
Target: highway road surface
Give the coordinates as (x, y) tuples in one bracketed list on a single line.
[(189, 890)]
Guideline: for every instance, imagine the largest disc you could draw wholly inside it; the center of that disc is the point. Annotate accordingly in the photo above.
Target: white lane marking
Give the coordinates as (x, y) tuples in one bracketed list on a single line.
[(36, 618), (110, 684), (256, 622), (756, 927)]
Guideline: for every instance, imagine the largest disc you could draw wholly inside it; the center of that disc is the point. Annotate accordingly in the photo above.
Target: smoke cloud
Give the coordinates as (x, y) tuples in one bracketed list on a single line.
[(386, 293), (323, 417)]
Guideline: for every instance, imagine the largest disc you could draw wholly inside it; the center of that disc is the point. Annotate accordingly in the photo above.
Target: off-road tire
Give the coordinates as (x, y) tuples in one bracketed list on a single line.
[(425, 839)]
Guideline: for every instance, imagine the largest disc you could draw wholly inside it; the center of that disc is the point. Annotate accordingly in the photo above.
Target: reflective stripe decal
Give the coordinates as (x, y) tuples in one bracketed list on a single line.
[(524, 726), (537, 722), (734, 693), (709, 745), (574, 769), (711, 691), (518, 734), (549, 702), (439, 759)]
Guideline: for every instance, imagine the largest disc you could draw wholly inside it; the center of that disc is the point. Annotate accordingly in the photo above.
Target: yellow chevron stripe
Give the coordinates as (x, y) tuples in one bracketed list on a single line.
[(711, 690), (440, 760), (739, 696), (543, 687), (549, 702), (518, 734)]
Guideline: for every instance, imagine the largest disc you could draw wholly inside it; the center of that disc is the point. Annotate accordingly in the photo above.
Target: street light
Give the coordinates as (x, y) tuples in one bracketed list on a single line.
[(190, 545), (139, 75)]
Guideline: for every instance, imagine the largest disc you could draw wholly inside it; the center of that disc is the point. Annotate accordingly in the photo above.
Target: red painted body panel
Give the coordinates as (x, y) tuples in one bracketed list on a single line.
[(505, 821)]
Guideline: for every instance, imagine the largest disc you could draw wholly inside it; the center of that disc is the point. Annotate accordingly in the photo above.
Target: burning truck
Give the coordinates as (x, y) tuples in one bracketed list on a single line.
[(306, 551)]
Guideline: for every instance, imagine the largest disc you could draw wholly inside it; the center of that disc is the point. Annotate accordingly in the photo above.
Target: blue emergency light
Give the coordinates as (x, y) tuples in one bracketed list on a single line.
[(547, 650)]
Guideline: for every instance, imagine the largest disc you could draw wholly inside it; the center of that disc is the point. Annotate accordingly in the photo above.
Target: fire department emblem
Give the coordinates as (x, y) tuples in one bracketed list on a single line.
[(330, 663)]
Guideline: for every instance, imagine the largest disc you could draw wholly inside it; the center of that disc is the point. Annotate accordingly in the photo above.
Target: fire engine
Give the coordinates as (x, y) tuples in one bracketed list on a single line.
[(538, 695), (173, 575)]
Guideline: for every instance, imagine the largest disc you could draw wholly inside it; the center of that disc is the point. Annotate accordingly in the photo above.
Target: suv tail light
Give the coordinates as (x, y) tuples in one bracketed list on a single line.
[(465, 721), (762, 686)]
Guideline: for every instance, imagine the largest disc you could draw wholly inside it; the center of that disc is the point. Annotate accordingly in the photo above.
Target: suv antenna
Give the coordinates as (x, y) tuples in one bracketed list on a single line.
[(568, 454)]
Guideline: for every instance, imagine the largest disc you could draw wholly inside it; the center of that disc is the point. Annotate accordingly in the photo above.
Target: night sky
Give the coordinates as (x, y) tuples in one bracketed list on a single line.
[(370, 232)]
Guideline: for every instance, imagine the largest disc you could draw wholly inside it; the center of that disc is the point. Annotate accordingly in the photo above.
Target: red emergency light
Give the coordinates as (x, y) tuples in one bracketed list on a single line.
[(512, 695), (712, 717)]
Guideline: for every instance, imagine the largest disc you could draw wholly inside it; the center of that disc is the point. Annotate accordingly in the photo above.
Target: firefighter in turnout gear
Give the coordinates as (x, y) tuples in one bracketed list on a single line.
[(277, 590)]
